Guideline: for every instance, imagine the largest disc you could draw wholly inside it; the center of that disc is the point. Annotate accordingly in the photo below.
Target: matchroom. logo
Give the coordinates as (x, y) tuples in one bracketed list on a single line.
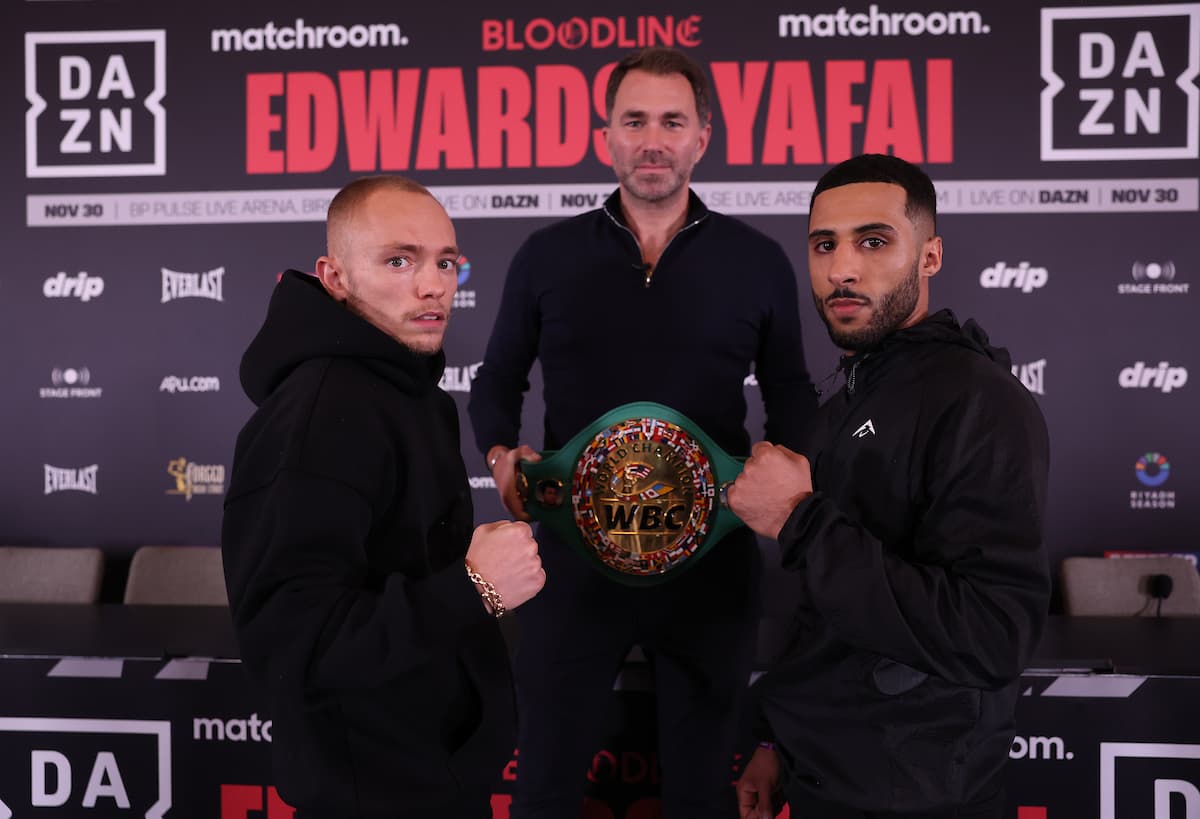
[(1121, 82), (95, 103)]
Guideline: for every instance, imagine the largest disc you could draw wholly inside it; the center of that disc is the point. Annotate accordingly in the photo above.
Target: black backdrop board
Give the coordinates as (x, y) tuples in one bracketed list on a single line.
[(165, 162)]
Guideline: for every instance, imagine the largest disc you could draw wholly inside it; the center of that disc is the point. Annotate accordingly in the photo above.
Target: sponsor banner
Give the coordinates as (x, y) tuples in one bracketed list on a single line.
[(512, 201), (195, 479)]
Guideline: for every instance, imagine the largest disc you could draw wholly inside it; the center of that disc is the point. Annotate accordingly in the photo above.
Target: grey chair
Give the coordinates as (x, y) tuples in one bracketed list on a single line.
[(1125, 586), (176, 575), (50, 574)]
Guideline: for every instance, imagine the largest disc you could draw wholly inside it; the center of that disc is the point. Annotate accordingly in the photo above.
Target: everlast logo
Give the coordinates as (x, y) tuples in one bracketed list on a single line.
[(177, 285)]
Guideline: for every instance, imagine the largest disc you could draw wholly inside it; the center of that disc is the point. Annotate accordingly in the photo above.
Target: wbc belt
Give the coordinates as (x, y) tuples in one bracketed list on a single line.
[(639, 492)]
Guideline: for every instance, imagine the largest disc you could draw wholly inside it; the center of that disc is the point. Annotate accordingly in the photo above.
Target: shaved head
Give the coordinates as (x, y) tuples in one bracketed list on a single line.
[(348, 200)]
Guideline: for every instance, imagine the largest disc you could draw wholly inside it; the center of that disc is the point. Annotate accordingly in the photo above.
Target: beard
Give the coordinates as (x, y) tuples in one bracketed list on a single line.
[(671, 179), (889, 314)]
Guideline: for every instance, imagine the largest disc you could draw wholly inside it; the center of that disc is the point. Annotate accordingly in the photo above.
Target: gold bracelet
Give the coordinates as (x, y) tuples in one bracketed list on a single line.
[(487, 591)]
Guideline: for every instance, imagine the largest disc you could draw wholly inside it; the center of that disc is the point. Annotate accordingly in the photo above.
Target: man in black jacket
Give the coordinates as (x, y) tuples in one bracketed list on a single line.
[(651, 297), (915, 536), (364, 604)]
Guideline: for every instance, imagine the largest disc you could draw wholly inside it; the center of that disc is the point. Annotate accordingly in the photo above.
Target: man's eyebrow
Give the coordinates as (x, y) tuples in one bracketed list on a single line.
[(392, 247), (870, 227)]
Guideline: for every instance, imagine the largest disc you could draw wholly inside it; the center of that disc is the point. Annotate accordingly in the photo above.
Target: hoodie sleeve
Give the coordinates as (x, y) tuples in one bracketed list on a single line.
[(498, 390), (970, 604), (787, 390)]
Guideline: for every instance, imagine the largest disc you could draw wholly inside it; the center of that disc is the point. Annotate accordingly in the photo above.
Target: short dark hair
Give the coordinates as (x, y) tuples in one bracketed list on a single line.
[(346, 202), (661, 61), (920, 196)]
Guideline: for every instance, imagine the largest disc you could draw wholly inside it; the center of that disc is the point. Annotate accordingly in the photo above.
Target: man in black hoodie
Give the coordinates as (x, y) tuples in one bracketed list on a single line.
[(915, 536), (364, 604)]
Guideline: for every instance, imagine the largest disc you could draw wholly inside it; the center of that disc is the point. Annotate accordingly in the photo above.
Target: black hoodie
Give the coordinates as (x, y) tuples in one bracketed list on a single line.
[(921, 585), (346, 523)]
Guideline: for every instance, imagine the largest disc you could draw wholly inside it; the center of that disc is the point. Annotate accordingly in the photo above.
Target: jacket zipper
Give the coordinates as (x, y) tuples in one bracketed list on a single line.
[(650, 270), (850, 379)]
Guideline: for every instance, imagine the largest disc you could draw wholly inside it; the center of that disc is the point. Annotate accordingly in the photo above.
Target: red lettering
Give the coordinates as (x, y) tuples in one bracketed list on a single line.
[(445, 127), (791, 117), (504, 102), (608, 37), (261, 123), (276, 807), (501, 805), (687, 33), (622, 36), (312, 126), (379, 122), (600, 103), (531, 29), (510, 38), (939, 111), (237, 801), (562, 116), (604, 764), (595, 809), (841, 114), (493, 35), (634, 767), (659, 32), (739, 98), (892, 113)]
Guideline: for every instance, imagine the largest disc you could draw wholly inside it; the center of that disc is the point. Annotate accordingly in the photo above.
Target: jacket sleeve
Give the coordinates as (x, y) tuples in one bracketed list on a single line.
[(970, 604), (499, 387), (788, 395), (303, 607)]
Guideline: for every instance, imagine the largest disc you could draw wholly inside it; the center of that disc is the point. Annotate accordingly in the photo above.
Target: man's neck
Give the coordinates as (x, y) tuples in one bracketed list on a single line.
[(654, 223)]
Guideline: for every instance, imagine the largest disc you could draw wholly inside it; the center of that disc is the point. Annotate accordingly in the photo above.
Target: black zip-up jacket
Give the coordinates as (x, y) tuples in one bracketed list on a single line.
[(921, 584), (608, 332), (346, 523)]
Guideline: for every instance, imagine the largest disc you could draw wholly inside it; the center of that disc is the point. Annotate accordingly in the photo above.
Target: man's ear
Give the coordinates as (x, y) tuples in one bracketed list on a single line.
[(333, 279), (931, 256)]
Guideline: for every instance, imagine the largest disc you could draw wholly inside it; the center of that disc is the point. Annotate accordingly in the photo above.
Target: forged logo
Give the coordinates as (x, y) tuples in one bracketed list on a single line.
[(95, 103), (1121, 82), (196, 479)]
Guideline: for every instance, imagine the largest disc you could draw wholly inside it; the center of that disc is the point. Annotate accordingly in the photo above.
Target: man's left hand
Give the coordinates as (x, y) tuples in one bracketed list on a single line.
[(772, 482)]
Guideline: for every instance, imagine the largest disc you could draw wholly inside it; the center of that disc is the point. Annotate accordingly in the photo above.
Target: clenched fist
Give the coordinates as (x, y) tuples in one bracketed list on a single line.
[(772, 482), (506, 555)]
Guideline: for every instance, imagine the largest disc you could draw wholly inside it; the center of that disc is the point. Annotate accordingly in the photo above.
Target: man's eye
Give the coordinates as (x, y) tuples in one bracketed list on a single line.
[(447, 264), (874, 242), (824, 247), (397, 262)]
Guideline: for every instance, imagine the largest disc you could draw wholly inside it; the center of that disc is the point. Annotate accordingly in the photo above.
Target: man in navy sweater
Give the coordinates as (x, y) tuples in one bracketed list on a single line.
[(652, 297)]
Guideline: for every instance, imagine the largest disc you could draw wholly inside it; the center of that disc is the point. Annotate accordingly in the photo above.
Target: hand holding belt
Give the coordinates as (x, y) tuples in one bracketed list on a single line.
[(639, 492)]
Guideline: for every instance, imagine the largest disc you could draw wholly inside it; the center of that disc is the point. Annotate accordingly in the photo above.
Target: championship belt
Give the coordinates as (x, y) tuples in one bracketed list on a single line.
[(640, 493)]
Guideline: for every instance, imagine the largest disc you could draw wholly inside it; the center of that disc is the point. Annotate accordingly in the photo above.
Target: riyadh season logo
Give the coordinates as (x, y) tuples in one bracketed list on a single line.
[(458, 379), (65, 479), (1143, 376), (95, 103), (300, 36), (196, 479), (70, 382), (177, 285), (1153, 278), (196, 383), (1120, 82), (1032, 375), (876, 23), (80, 286), (1152, 470), (463, 299), (1023, 277)]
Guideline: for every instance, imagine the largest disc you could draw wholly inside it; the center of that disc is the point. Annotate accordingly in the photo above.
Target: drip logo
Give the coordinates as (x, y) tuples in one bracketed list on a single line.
[(1121, 82), (196, 479), (80, 286), (95, 103), (70, 382), (1153, 278), (59, 479), (463, 299), (1032, 375), (1023, 277), (1163, 378)]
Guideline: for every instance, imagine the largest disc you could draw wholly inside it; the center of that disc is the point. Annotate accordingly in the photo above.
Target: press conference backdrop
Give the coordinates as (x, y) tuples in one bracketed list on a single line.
[(164, 162)]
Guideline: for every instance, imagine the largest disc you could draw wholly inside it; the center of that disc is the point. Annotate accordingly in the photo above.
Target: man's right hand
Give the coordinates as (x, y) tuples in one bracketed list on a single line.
[(505, 554), (757, 789), (504, 472)]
